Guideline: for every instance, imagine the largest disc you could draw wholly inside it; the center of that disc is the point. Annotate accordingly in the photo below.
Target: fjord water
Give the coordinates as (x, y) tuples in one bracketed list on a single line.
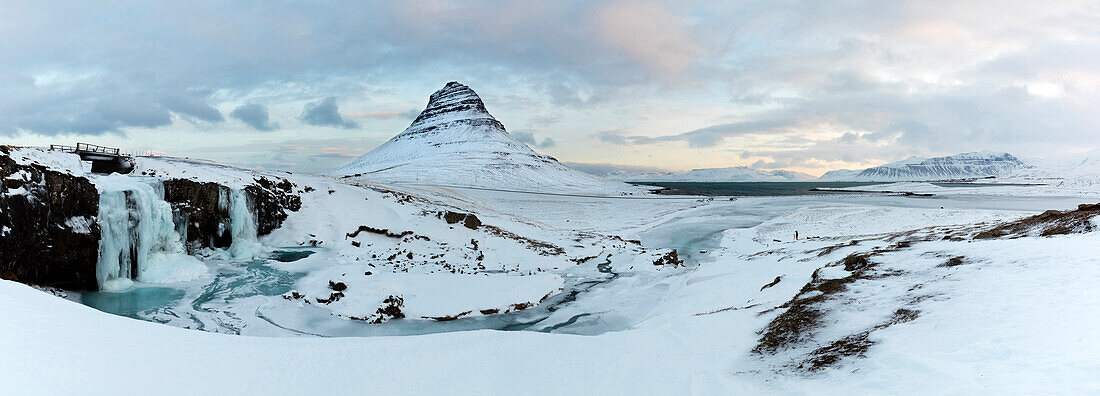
[(751, 189)]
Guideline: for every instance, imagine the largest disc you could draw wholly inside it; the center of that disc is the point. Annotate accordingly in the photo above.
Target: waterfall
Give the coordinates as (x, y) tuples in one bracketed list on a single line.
[(243, 226), (138, 237), (113, 266)]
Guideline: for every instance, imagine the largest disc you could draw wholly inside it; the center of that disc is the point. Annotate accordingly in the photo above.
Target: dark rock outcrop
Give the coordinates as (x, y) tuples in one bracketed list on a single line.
[(1049, 223), (48, 230), (270, 201), (469, 220), (204, 207), (379, 231), (670, 258)]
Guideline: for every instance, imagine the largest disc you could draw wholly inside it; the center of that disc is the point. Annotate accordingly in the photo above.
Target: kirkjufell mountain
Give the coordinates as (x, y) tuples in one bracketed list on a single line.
[(456, 142)]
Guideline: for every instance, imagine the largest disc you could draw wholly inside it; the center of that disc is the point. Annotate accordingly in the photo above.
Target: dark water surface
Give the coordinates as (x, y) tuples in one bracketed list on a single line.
[(751, 189)]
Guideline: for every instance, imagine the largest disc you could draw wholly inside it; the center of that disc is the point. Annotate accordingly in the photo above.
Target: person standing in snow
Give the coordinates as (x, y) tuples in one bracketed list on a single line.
[(796, 235)]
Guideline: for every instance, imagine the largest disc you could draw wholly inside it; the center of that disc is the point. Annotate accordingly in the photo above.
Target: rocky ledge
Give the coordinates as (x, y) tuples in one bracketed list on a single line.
[(48, 230), (204, 207)]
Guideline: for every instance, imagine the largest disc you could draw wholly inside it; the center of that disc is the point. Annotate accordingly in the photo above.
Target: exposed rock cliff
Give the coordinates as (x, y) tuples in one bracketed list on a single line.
[(204, 206), (48, 230)]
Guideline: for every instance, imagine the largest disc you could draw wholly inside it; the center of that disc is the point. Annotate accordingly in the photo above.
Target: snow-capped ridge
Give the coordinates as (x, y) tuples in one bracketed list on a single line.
[(454, 102), (959, 166), (729, 174)]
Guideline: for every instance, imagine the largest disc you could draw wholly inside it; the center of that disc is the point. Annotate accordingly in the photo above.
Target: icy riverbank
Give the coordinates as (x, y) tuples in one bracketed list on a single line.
[(976, 325)]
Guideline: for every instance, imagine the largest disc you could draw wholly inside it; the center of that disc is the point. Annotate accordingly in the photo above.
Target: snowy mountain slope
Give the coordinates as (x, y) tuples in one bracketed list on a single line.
[(1076, 172), (455, 141), (840, 175), (730, 174), (959, 166)]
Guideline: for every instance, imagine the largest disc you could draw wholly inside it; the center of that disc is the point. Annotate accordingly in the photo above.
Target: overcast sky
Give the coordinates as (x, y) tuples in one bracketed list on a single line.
[(808, 86)]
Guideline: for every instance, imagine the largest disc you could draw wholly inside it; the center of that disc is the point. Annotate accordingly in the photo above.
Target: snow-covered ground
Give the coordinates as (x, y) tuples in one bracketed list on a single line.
[(1002, 187), (890, 295)]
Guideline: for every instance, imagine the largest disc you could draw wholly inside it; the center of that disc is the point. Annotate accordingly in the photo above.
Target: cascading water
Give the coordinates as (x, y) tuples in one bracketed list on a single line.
[(113, 266), (138, 238), (243, 226)]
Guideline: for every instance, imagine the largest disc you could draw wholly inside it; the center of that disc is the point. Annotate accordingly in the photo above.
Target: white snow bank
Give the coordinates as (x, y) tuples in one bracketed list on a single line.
[(428, 296), (843, 220), (55, 160)]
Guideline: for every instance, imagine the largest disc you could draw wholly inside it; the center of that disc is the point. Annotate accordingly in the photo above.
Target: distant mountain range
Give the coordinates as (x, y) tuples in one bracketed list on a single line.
[(710, 175), (952, 167)]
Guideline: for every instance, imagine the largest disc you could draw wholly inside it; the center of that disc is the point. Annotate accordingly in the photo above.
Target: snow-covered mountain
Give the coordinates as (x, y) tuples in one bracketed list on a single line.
[(456, 142), (959, 166), (731, 174), (1080, 171)]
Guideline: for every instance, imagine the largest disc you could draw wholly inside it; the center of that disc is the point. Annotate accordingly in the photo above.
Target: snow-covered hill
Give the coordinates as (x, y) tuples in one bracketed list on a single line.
[(959, 166), (455, 141), (1078, 172), (731, 174)]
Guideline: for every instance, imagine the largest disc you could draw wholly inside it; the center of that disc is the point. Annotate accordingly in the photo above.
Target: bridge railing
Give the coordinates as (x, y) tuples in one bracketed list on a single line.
[(92, 148), (58, 147)]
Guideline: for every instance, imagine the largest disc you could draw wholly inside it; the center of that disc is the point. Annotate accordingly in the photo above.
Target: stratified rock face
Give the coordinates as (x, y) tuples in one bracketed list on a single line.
[(455, 141), (48, 230), (205, 209), (454, 102)]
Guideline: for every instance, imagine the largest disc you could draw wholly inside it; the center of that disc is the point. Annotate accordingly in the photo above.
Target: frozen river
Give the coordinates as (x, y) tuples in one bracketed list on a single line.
[(245, 296)]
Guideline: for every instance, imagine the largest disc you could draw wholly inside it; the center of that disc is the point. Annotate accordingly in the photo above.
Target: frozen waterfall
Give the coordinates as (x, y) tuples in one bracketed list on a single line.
[(242, 220), (138, 237)]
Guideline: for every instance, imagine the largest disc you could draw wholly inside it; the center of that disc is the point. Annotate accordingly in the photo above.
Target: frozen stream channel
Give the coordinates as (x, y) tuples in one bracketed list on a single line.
[(244, 296)]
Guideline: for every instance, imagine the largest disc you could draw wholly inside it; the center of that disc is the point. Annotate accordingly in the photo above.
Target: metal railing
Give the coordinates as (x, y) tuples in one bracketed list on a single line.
[(58, 147), (87, 148), (91, 148)]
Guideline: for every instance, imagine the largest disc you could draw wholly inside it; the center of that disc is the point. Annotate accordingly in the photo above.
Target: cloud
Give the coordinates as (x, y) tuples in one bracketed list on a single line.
[(819, 85), (339, 152), (529, 139), (384, 115), (702, 137), (613, 137), (523, 136), (255, 115), (191, 108), (324, 112), (648, 33), (604, 169)]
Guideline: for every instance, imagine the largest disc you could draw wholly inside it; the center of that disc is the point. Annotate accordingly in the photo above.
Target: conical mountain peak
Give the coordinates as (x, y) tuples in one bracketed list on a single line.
[(454, 101), (455, 141)]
